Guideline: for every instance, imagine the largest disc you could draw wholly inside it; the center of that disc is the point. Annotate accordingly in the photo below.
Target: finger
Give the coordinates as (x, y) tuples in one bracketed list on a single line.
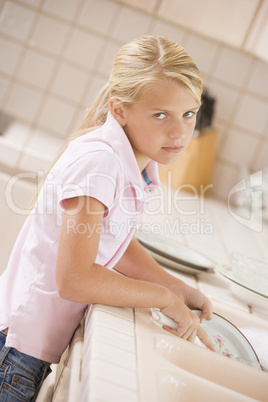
[(185, 331), (192, 336), (203, 336), (188, 334), (170, 330), (181, 332), (206, 311)]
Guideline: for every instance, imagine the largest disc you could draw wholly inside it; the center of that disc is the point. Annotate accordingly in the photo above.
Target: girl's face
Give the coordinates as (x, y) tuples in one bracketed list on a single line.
[(160, 126)]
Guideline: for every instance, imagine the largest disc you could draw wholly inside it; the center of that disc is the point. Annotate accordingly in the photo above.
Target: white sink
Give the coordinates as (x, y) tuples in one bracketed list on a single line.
[(171, 369)]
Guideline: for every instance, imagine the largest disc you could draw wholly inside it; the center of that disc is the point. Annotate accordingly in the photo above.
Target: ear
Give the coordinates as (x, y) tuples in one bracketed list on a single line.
[(118, 111)]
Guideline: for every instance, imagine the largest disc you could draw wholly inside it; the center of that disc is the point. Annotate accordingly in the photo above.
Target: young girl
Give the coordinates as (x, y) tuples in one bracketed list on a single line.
[(77, 247)]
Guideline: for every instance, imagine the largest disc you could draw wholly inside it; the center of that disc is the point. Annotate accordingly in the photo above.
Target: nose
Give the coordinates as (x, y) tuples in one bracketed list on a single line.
[(176, 130)]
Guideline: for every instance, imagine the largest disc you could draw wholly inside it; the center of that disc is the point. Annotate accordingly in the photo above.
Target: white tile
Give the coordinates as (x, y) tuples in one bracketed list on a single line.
[(65, 9), (148, 6), (116, 374), (49, 35), (9, 153), (170, 31), (113, 322), (36, 69), (9, 56), (98, 15), (261, 161), (226, 99), (209, 17), (3, 87), (258, 82), (224, 177), (109, 53), (70, 82), (16, 21), (232, 67), (98, 390), (203, 51), (78, 117), (33, 162), (221, 133), (44, 143), (239, 147), (130, 25), (94, 88), (57, 116), (83, 48), (252, 114), (103, 351), (17, 133), (112, 337), (123, 312), (32, 3), (23, 102)]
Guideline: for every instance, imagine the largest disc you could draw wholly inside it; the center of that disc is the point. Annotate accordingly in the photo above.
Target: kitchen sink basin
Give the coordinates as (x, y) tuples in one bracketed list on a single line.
[(172, 369)]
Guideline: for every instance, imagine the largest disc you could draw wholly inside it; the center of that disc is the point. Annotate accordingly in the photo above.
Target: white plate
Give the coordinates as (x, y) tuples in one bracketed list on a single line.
[(249, 272), (166, 262), (175, 255), (226, 271), (229, 341), (249, 296)]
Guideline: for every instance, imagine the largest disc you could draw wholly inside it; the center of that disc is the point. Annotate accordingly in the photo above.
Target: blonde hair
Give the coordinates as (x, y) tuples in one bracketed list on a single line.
[(138, 65)]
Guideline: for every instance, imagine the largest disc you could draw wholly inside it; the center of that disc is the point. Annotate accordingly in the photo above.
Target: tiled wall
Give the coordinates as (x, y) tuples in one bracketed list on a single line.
[(56, 54)]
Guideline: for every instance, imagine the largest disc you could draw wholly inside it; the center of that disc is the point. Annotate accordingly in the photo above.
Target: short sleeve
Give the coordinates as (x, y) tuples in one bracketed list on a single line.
[(95, 174)]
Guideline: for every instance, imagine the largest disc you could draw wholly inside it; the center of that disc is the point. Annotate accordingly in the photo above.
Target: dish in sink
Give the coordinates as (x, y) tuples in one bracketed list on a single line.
[(172, 254)]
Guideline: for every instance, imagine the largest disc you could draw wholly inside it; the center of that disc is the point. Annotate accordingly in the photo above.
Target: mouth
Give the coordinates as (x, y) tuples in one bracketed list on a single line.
[(173, 150)]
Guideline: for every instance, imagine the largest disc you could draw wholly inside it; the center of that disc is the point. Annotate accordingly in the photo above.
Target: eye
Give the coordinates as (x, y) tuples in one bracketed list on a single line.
[(189, 114), (160, 116)]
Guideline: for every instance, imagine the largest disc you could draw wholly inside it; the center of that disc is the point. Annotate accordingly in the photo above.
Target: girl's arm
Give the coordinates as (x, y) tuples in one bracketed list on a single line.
[(79, 279), (139, 264)]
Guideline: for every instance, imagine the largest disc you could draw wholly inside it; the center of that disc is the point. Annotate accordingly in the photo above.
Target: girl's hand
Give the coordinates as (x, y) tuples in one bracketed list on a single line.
[(195, 299), (188, 324)]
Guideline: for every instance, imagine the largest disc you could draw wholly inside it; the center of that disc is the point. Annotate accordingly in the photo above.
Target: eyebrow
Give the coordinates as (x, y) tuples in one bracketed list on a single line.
[(167, 110)]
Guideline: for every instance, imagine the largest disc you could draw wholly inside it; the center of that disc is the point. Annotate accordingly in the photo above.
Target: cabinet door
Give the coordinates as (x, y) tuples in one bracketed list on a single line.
[(257, 40), (225, 20)]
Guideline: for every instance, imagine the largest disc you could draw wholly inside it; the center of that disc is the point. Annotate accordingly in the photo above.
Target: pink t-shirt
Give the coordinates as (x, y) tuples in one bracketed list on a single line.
[(100, 164)]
